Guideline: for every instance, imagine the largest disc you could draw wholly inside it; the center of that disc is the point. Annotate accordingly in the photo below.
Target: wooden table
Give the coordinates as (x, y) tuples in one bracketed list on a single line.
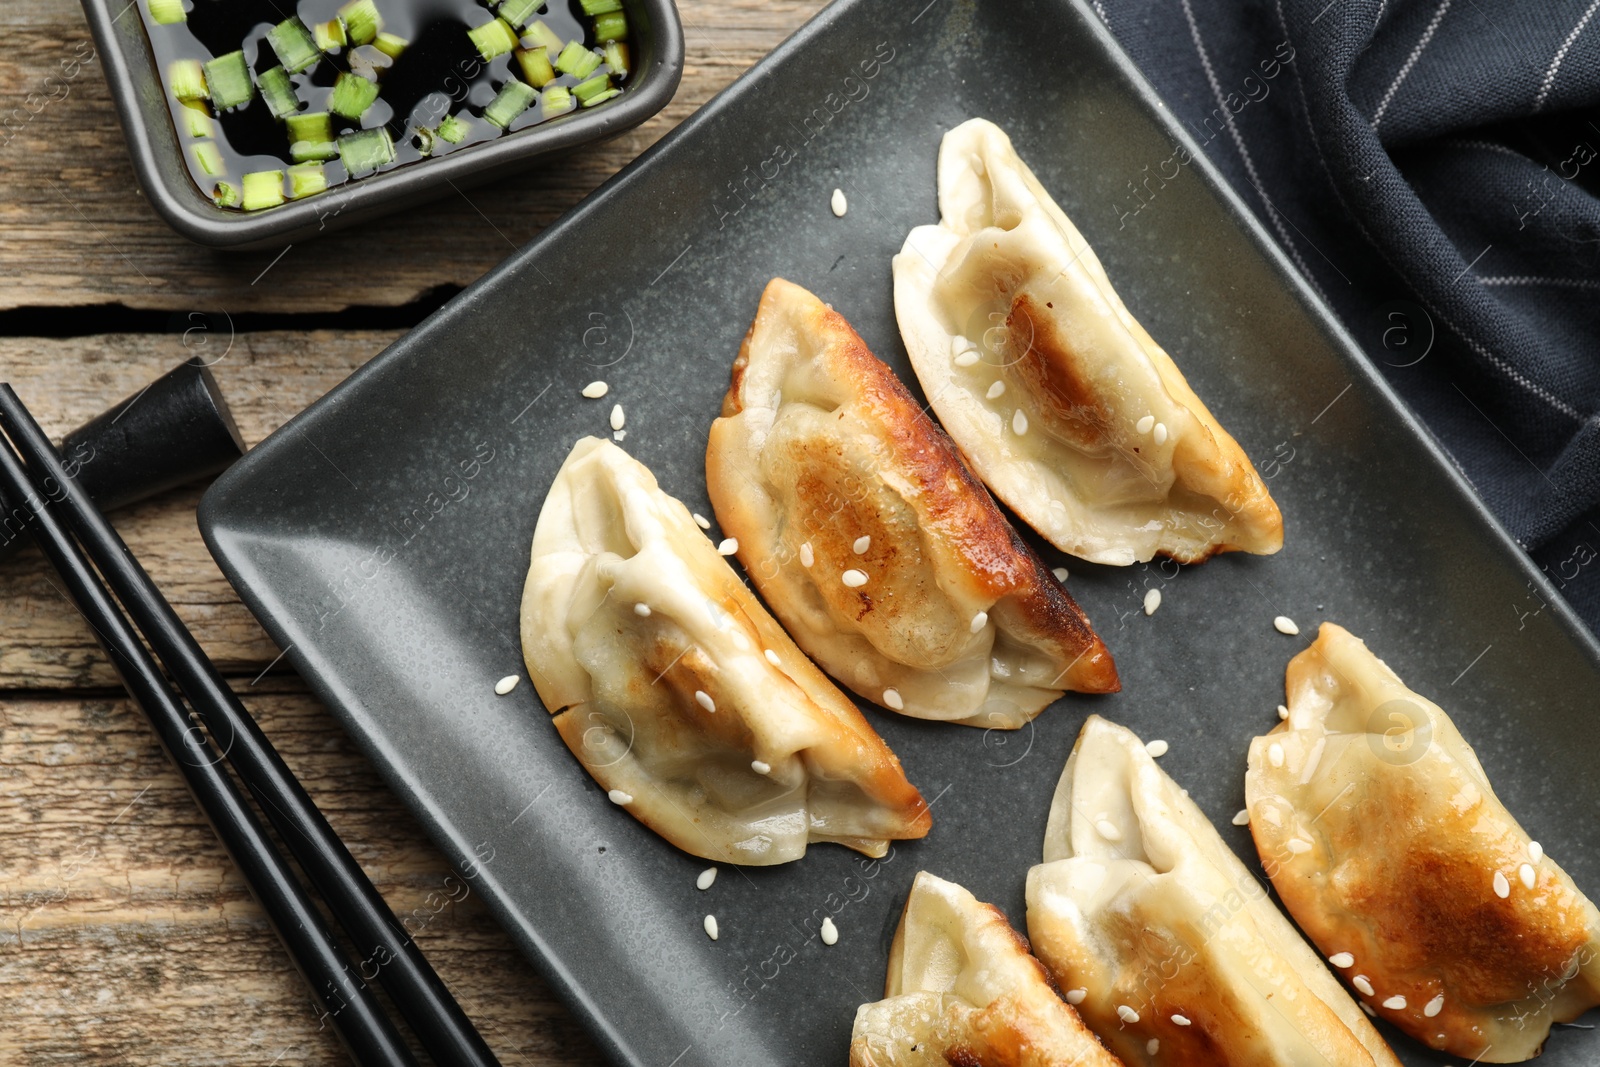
[(126, 937)]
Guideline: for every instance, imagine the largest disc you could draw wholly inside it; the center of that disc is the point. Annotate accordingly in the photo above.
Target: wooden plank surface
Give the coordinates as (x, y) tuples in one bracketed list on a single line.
[(74, 229)]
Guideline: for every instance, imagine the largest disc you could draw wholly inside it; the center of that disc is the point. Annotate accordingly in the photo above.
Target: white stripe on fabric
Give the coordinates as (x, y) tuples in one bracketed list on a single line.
[(1561, 53), (1530, 280), (1411, 61)]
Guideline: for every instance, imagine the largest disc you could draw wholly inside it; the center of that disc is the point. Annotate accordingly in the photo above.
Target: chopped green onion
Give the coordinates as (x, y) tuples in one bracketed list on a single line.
[(617, 58), (311, 136), (209, 157), (425, 140), (305, 179), (588, 90), (512, 100), (278, 91), (493, 38), (329, 35), (166, 12), (226, 194), (518, 12), (602, 97), (352, 95), (311, 151), (453, 129), (197, 120), (361, 21), (577, 60), (544, 37), (390, 45), (612, 27), (365, 151), (263, 188), (228, 76), (600, 7), (536, 66), (294, 45), (187, 80), (557, 100)]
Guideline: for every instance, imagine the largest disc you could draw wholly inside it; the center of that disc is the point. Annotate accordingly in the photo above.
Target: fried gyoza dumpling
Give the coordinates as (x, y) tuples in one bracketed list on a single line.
[(680, 695), (1171, 949), (1062, 402), (1389, 847), (879, 550), (962, 989)]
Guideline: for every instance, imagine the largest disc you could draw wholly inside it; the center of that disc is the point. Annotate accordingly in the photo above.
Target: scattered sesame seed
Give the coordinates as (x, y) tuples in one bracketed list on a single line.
[(891, 699), (760, 766), (1342, 960), (996, 391), (618, 418), (807, 557), (1502, 885), (642, 610), (828, 932), (728, 546), (1060, 573), (1363, 985), (711, 927), (1108, 830), (740, 641), (1297, 845), (772, 657), (959, 344), (1535, 851), (1180, 1020), (1395, 1003), (1156, 748), (863, 543), (1127, 1014), (854, 579), (1019, 422), (619, 797), (701, 521), (1152, 1046), (620, 435), (1285, 625), (1077, 996), (1283, 712), (703, 698), (1275, 754), (1367, 1008), (1241, 817), (596, 390), (1152, 601), (1525, 872), (707, 876), (1144, 424), (838, 204), (1160, 436), (967, 358), (979, 621), (509, 682), (1272, 816), (1434, 1006)]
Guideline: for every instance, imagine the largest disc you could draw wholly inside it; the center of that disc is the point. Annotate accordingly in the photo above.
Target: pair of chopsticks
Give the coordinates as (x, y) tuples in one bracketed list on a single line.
[(37, 480)]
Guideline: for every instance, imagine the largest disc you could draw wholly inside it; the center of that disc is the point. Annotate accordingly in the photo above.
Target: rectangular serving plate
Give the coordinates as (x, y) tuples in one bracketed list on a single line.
[(382, 536)]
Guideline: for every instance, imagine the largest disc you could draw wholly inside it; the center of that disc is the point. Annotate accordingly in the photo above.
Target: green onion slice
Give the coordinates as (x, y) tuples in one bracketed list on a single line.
[(352, 95), (278, 91), (166, 12), (611, 27), (294, 45), (536, 68), (453, 130), (577, 60), (228, 77), (493, 38), (361, 21), (187, 80), (263, 189), (365, 151), (512, 100)]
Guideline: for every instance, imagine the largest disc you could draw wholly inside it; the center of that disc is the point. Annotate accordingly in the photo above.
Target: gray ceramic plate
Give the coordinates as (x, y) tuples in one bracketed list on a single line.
[(383, 535)]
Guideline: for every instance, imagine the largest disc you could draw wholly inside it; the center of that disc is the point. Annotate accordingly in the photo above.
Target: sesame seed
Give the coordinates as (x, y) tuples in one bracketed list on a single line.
[(1395, 1003), (807, 557), (1434, 1006), (1275, 754), (1297, 845), (1127, 1014), (1363, 985), (854, 579), (1272, 816), (996, 391), (838, 204), (596, 390), (967, 358), (1285, 625), (1535, 851), (1060, 573), (707, 876), (1180, 1020), (620, 435), (1152, 1046), (1144, 424), (772, 657), (1367, 1008), (642, 610), (619, 797), (1241, 817), (891, 699), (1502, 885), (1019, 422), (959, 344), (861, 545), (1283, 712), (618, 418), (1156, 748), (979, 621), (509, 682), (1525, 872), (728, 546), (828, 932), (711, 927), (760, 766), (1160, 436), (740, 641), (1077, 996), (1152, 601), (1108, 830), (701, 521), (703, 698), (1342, 960)]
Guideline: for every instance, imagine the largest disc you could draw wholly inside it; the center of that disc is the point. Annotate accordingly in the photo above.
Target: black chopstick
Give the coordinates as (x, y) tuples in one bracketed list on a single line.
[(387, 950), (356, 1016)]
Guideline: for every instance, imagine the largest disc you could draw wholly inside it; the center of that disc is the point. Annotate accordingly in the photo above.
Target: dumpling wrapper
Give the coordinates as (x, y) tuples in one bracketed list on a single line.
[(673, 708), (1097, 441), (1385, 840), (1140, 904), (962, 989), (820, 445)]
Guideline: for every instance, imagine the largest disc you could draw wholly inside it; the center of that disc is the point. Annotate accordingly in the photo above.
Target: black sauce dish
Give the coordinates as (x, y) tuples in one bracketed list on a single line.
[(140, 95)]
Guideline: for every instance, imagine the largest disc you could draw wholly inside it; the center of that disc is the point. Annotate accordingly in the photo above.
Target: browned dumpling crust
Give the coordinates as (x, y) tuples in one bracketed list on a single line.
[(881, 553)]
